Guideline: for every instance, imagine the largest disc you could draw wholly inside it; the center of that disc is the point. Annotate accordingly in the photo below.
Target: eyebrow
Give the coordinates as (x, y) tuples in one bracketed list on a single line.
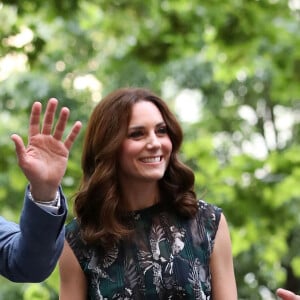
[(142, 127)]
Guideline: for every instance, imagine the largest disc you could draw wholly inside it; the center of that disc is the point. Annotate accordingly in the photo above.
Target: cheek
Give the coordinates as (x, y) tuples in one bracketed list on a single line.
[(168, 146), (128, 151)]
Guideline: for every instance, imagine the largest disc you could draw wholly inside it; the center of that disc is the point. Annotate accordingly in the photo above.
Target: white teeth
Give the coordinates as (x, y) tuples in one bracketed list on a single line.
[(151, 159)]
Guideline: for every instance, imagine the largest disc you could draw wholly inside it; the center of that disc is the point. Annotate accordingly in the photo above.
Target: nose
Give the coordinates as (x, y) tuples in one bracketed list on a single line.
[(153, 142)]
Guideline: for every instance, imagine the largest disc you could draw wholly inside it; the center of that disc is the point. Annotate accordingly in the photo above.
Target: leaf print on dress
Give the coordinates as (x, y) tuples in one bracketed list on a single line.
[(131, 280), (197, 276), (131, 277), (97, 267), (76, 246), (176, 247), (156, 237), (204, 227), (155, 259)]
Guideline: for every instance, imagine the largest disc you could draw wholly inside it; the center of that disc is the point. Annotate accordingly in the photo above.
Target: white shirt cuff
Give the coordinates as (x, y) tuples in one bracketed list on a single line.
[(49, 206)]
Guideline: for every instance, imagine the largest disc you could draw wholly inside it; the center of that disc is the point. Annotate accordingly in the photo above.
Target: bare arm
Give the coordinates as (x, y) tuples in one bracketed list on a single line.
[(223, 278), (73, 284)]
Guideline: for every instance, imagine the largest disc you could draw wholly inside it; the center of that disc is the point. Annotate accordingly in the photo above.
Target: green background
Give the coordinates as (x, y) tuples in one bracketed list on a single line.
[(233, 65)]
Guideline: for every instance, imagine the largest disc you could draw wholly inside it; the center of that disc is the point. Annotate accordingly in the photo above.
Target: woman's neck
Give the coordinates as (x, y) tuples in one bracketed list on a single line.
[(139, 196)]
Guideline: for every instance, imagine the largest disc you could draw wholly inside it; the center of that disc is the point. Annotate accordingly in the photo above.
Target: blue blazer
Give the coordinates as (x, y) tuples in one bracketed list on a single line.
[(29, 251)]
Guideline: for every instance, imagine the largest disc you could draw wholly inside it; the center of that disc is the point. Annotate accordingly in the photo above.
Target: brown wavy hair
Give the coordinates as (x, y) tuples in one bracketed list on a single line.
[(98, 201)]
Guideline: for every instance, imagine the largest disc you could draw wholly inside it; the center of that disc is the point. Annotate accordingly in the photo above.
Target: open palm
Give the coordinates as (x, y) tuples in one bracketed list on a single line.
[(44, 160)]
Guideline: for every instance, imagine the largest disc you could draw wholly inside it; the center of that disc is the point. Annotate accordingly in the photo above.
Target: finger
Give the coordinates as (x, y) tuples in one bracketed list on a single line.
[(49, 116), (61, 123), (34, 121), (73, 135), (286, 294), (19, 146)]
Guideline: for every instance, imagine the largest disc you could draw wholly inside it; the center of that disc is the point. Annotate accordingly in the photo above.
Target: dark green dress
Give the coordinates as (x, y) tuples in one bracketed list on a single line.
[(166, 258)]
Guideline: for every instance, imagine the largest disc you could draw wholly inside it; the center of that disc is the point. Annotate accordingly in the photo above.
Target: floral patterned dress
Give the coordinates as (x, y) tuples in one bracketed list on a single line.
[(167, 257)]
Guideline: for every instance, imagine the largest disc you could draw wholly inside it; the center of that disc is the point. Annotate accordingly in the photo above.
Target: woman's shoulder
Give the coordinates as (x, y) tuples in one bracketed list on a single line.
[(206, 206), (73, 235), (72, 226), (209, 213)]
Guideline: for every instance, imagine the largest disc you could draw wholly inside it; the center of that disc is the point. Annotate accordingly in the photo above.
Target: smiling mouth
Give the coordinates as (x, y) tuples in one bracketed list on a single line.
[(151, 159)]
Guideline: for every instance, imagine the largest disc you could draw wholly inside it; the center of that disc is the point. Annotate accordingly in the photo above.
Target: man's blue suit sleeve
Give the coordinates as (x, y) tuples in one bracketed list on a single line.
[(29, 251)]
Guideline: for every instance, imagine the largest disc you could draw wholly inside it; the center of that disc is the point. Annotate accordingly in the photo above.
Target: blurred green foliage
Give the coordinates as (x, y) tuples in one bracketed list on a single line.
[(242, 61)]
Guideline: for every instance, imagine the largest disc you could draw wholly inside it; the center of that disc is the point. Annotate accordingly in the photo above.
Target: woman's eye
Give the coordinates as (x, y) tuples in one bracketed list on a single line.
[(135, 134), (162, 130)]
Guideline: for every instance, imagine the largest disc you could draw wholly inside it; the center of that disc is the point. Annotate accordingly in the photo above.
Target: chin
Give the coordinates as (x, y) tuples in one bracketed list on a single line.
[(155, 177)]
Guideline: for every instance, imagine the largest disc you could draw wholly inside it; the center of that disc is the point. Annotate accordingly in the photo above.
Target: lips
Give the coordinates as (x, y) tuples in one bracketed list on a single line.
[(153, 159)]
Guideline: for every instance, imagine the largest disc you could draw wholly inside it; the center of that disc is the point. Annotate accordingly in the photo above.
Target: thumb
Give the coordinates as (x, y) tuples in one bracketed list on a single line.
[(19, 146)]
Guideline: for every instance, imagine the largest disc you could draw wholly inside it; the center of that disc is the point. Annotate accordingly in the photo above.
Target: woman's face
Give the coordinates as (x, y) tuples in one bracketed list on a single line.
[(145, 152)]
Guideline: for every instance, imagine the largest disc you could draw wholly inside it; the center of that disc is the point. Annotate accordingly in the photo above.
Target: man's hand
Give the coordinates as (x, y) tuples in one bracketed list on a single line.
[(44, 160), (287, 295)]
